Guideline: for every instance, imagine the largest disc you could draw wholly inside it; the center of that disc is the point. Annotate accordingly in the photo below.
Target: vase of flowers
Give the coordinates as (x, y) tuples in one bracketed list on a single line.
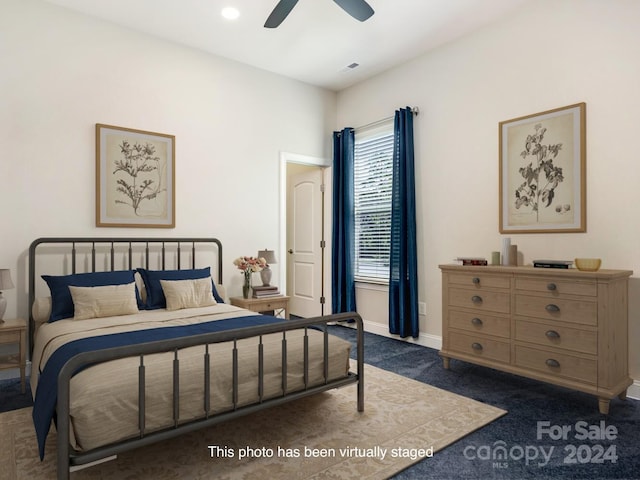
[(247, 266)]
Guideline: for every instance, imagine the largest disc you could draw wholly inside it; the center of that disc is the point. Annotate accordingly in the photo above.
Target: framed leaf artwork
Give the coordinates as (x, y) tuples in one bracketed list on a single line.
[(542, 172), (135, 178)]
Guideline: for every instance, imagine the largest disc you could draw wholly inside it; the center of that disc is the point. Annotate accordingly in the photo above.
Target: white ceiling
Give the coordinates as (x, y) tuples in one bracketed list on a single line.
[(315, 42)]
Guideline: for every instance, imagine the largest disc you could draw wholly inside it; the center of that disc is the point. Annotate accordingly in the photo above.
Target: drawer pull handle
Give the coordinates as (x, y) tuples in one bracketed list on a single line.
[(551, 286), (551, 308), (476, 346), (476, 321), (476, 299), (476, 280), (552, 334), (551, 362)]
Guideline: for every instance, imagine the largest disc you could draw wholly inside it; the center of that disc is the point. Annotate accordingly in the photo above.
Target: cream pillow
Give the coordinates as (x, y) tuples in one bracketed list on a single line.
[(104, 301), (41, 309), (188, 293)]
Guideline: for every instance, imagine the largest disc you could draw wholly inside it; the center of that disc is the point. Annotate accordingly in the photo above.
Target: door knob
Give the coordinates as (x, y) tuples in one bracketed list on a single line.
[(290, 250)]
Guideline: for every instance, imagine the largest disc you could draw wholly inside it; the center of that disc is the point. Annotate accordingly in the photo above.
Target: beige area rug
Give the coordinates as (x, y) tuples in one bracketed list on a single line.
[(401, 416)]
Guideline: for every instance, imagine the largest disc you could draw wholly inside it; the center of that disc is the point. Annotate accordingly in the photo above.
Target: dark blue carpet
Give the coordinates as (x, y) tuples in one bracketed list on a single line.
[(478, 455), (10, 396)]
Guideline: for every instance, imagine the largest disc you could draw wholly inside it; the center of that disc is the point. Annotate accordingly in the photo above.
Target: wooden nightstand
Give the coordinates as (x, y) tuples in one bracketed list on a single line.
[(260, 305), (15, 331)]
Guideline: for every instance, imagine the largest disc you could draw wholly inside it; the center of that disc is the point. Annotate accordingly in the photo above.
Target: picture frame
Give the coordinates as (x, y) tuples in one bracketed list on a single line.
[(135, 178), (543, 172)]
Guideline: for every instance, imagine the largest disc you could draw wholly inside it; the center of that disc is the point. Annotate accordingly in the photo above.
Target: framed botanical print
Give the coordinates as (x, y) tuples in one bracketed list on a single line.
[(135, 178), (542, 172)]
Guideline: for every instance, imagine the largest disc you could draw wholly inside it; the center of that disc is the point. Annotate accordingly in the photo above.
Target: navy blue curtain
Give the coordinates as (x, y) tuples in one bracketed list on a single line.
[(403, 271), (343, 290)]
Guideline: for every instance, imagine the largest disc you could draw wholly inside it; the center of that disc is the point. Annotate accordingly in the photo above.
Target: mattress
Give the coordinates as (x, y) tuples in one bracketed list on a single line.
[(104, 397)]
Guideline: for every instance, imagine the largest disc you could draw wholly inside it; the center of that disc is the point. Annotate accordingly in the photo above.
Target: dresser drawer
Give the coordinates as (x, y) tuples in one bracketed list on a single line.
[(561, 336), (480, 299), (557, 364), (9, 337), (575, 311), (479, 322), (479, 346), (557, 286), (481, 279)]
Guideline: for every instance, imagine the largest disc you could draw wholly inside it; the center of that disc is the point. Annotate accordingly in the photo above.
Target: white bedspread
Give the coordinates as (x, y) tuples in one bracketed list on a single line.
[(104, 398)]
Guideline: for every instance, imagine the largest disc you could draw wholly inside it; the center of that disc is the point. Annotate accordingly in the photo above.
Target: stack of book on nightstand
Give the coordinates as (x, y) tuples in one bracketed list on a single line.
[(265, 291)]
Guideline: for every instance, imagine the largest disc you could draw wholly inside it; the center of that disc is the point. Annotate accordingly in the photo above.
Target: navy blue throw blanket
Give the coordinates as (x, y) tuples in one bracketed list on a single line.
[(44, 407)]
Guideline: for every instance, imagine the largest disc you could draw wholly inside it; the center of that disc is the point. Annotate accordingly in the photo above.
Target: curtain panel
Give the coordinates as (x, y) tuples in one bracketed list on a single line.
[(343, 289), (403, 270)]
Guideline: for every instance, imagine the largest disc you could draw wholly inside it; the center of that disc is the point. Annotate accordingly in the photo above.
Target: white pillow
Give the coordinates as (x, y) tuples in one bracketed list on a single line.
[(104, 301), (41, 309), (188, 293), (222, 292)]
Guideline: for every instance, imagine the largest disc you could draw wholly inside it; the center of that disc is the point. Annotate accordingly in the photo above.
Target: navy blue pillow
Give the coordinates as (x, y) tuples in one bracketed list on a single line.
[(155, 295), (61, 301)]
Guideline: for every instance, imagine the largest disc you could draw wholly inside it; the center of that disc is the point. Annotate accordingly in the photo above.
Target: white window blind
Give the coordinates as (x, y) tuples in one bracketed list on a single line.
[(372, 194)]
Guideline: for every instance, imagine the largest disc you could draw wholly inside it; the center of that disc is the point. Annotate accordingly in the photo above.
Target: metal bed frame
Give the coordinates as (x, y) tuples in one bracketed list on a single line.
[(69, 460)]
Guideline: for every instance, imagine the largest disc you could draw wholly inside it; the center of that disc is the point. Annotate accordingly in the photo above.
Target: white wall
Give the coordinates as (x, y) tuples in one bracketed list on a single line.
[(63, 72), (551, 53)]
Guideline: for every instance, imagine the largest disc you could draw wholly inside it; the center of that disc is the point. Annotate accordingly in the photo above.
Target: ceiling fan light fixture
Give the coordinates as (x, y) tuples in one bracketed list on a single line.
[(358, 9)]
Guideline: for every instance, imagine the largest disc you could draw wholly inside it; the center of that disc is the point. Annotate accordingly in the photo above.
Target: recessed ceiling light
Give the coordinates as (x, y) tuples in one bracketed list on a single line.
[(230, 13)]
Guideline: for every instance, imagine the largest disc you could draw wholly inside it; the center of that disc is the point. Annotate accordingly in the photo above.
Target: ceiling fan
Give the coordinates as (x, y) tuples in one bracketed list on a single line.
[(358, 9)]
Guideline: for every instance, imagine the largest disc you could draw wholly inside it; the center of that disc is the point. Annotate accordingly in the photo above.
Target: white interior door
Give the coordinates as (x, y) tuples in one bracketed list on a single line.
[(304, 237)]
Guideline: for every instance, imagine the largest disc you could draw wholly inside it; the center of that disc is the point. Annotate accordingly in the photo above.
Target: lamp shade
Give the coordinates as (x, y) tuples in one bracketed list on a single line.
[(268, 255), (5, 284), (5, 279)]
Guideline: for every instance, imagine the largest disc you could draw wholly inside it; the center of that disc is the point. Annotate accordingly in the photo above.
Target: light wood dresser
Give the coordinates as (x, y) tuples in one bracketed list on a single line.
[(564, 327)]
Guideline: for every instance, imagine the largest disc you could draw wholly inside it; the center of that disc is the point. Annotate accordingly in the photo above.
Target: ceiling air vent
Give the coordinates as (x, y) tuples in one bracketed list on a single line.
[(351, 66)]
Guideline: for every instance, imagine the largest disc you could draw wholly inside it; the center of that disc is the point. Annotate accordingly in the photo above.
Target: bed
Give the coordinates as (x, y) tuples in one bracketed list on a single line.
[(132, 343)]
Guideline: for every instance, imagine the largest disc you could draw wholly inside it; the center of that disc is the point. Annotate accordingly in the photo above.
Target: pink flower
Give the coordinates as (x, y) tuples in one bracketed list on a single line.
[(250, 264)]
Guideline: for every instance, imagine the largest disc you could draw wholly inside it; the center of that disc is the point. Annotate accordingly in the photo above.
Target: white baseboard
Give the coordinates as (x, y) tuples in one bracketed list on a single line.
[(426, 340), (634, 390)]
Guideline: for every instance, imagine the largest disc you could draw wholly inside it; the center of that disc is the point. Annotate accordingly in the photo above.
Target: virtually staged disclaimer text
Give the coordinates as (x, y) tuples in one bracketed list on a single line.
[(220, 451)]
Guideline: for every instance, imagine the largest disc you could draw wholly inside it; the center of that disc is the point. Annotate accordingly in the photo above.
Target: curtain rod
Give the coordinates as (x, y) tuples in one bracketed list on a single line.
[(414, 110)]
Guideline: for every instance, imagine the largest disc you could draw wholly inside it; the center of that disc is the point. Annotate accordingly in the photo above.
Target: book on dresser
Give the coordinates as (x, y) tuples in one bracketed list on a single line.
[(552, 263), (266, 291), (471, 261)]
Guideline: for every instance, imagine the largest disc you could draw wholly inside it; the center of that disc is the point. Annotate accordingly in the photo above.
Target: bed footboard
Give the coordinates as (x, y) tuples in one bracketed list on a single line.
[(67, 458)]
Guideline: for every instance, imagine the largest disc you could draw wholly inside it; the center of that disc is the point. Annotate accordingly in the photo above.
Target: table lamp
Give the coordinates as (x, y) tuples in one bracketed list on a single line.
[(5, 284), (265, 273)]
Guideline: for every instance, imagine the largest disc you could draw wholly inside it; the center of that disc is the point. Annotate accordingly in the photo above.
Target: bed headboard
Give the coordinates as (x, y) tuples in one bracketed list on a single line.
[(68, 255)]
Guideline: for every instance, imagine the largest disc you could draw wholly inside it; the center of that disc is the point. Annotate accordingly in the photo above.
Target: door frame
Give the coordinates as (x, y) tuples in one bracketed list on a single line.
[(325, 164)]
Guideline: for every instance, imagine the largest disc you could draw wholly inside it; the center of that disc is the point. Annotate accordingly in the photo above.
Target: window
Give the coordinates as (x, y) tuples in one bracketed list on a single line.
[(373, 174)]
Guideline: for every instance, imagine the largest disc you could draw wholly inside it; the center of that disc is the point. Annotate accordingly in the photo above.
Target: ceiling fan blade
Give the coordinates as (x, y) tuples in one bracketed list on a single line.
[(358, 9), (280, 12)]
